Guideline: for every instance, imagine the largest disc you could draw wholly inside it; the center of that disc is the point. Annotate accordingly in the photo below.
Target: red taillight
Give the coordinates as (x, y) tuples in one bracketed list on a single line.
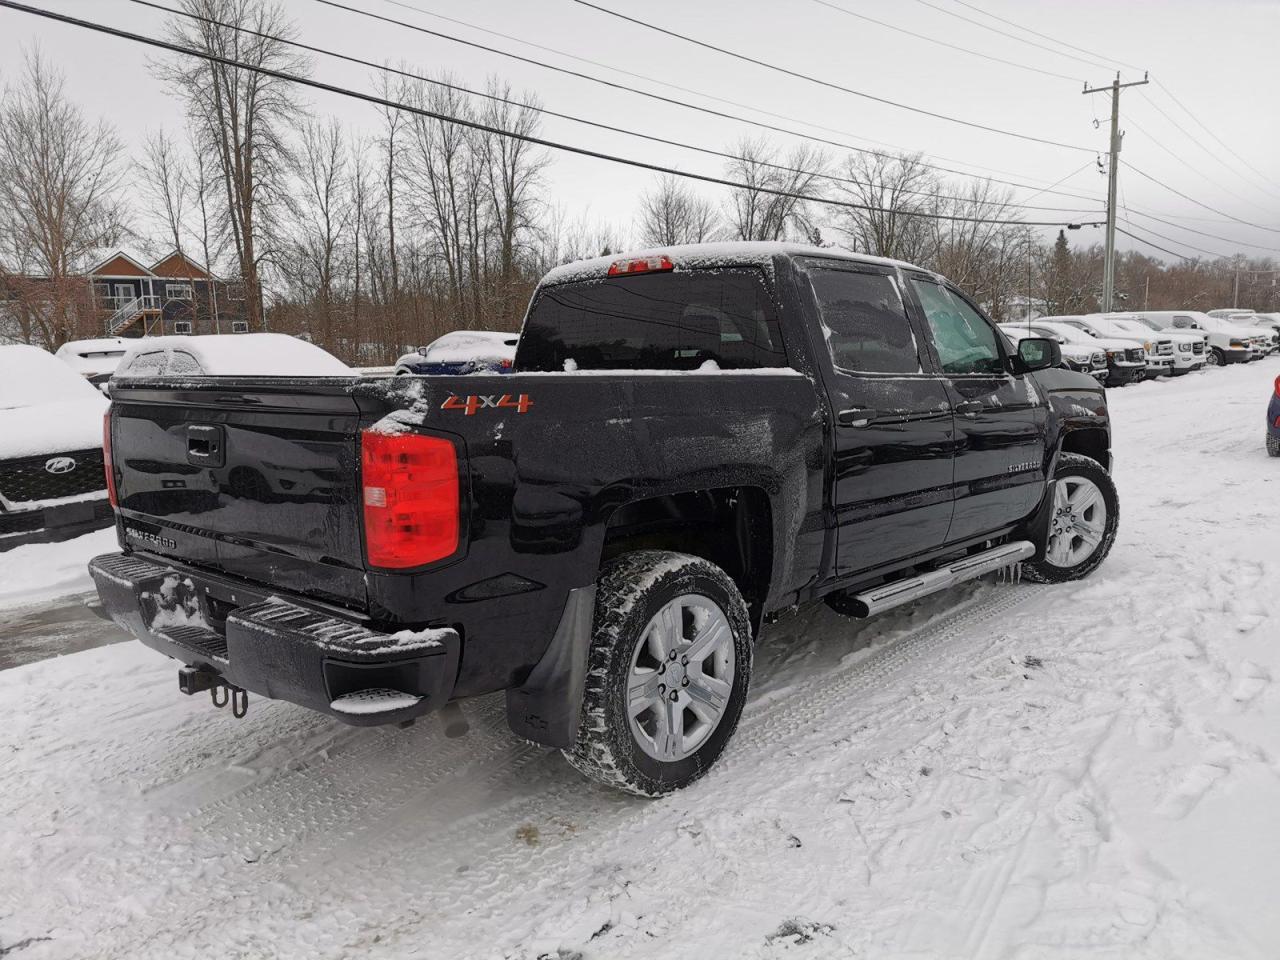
[(658, 264), (505, 363), (410, 498), (106, 458), (1278, 386)]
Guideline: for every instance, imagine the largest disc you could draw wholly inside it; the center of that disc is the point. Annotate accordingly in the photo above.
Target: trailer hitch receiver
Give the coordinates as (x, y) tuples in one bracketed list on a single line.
[(193, 680)]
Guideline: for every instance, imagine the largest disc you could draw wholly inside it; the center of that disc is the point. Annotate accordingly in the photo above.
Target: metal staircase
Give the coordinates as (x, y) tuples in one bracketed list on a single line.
[(132, 311)]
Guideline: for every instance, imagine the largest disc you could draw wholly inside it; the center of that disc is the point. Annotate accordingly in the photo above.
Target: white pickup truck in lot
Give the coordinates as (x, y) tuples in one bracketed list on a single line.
[(1188, 348), (1158, 350), (1228, 343)]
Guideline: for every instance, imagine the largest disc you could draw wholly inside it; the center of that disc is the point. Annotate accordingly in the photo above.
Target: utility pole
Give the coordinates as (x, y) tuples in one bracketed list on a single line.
[(1113, 174)]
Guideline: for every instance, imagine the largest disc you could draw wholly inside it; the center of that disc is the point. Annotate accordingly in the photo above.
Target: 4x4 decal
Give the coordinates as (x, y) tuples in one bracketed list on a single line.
[(473, 403)]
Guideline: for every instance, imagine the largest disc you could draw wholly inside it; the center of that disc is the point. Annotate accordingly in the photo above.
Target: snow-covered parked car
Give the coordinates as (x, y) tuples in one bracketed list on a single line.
[(460, 352), (1075, 356), (1193, 351), (1228, 342), (1158, 354), (229, 355), (95, 360), (52, 482), (1183, 351), (1126, 358)]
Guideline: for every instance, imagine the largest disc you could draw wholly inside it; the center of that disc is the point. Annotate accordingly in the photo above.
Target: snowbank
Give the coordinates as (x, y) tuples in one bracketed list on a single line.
[(42, 571), (1069, 772)]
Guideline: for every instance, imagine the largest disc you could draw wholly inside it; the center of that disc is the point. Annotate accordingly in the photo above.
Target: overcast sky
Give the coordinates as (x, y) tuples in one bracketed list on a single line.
[(1218, 58)]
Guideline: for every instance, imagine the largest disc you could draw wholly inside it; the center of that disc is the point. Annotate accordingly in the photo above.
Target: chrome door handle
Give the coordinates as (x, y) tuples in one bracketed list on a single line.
[(969, 407), (856, 417)]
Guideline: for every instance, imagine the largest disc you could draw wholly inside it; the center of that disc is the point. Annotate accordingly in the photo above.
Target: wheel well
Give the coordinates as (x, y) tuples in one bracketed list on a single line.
[(1089, 442), (730, 526)]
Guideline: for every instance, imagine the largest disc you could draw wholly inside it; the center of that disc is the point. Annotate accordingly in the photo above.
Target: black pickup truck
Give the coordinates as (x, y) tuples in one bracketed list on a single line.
[(693, 439)]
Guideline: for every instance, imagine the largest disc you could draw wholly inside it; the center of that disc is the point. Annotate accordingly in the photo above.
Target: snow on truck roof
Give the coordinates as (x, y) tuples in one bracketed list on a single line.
[(725, 254)]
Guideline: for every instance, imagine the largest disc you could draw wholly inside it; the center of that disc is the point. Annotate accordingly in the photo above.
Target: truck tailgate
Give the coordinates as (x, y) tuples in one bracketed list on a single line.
[(254, 478)]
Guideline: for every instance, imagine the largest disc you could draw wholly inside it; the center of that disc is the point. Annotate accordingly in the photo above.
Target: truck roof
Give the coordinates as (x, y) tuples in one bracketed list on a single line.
[(722, 254)]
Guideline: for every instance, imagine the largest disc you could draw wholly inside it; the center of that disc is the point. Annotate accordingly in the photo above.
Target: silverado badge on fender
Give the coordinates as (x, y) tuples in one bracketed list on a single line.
[(473, 403)]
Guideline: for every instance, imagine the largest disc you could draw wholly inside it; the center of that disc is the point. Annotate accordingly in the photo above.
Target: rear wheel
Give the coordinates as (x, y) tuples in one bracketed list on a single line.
[(1082, 521), (1273, 445), (668, 671)]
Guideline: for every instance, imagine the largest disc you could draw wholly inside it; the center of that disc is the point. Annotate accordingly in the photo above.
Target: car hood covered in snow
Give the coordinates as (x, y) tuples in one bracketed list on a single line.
[(45, 406), (52, 427)]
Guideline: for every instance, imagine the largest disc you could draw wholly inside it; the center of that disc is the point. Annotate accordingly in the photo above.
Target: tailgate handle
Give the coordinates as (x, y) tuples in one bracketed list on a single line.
[(205, 445)]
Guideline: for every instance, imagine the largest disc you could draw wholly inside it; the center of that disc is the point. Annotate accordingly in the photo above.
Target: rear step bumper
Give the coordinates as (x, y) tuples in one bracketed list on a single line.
[(277, 648)]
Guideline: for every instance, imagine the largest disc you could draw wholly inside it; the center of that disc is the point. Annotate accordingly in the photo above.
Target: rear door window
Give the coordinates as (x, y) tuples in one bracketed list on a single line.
[(864, 321), (681, 320)]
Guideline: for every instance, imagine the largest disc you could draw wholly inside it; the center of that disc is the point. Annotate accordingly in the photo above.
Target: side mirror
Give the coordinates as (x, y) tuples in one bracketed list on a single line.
[(422, 351), (1037, 353)]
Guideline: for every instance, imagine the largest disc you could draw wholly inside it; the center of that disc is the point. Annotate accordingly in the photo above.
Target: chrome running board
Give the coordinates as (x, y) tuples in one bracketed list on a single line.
[(895, 594)]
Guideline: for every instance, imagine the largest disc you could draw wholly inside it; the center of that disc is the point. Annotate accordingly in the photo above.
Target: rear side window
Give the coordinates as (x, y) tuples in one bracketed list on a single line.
[(865, 321), (658, 321)]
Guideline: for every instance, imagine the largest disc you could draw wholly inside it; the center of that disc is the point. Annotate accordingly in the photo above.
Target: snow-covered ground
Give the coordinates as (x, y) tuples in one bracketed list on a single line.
[(1088, 770)]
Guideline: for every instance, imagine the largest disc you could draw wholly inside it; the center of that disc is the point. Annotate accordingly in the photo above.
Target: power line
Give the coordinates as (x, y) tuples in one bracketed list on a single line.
[(668, 100), (1198, 203), (1134, 236), (1169, 93), (725, 155), (1183, 160), (1181, 243), (1196, 140), (698, 93), (488, 128), (1211, 236), (1011, 36), (943, 43), (833, 86), (1044, 36)]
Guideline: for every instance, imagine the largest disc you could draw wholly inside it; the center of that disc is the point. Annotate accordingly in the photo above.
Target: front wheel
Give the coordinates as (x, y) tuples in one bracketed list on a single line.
[(1216, 357), (1082, 521), (667, 676)]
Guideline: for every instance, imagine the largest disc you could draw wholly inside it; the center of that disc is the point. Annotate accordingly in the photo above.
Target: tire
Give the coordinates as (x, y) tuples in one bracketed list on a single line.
[(632, 592), (1273, 445), (1076, 474), (1216, 357)]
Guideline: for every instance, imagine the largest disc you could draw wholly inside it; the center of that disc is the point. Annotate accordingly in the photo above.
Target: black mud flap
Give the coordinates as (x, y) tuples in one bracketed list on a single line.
[(547, 706)]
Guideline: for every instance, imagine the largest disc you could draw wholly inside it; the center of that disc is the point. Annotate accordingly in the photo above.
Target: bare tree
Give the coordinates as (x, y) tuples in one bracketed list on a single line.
[(322, 211), (166, 183), (896, 190), (513, 171), (672, 213), (241, 117), (774, 202), (393, 121), (59, 178)]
